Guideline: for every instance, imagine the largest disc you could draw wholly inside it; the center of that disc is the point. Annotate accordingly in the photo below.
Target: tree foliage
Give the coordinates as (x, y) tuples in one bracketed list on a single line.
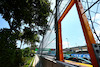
[(7, 48), (33, 47), (27, 20), (26, 51), (33, 13)]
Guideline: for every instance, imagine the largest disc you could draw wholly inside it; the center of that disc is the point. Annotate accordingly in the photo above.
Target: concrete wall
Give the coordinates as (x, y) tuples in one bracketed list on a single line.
[(45, 62)]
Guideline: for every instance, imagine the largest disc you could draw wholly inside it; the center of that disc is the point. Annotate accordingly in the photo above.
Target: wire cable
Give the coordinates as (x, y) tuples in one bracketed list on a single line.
[(92, 21), (90, 6), (50, 42)]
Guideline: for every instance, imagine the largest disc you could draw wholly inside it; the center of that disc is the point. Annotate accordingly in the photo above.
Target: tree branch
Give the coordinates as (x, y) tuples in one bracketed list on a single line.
[(9, 24)]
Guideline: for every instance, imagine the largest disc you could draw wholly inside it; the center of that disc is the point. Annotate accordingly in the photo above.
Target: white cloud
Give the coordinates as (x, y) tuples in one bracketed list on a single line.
[(52, 4), (98, 32), (96, 18), (97, 28), (90, 23), (65, 44), (98, 21)]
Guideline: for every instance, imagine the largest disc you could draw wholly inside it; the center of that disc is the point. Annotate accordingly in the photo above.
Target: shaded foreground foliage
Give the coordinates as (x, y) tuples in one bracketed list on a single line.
[(7, 48), (27, 20)]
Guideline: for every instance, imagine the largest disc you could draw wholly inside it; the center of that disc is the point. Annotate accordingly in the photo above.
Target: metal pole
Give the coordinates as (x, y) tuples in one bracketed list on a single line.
[(59, 50), (56, 31), (42, 45)]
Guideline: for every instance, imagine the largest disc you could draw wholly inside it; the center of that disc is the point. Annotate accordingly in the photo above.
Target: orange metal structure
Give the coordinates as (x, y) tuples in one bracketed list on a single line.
[(66, 10), (61, 58), (59, 30), (87, 33), (86, 30)]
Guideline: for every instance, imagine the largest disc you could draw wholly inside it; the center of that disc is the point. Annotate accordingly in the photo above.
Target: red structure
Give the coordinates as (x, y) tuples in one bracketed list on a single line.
[(86, 30)]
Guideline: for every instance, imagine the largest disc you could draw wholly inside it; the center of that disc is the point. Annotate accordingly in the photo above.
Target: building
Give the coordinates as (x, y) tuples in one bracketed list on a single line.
[(79, 48)]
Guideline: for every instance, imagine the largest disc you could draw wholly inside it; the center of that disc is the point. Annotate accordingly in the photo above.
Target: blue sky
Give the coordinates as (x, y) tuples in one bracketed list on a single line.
[(71, 29), (3, 23)]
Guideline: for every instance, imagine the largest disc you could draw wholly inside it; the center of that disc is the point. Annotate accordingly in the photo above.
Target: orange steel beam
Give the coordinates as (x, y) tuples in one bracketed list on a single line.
[(61, 58), (66, 10), (87, 32)]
